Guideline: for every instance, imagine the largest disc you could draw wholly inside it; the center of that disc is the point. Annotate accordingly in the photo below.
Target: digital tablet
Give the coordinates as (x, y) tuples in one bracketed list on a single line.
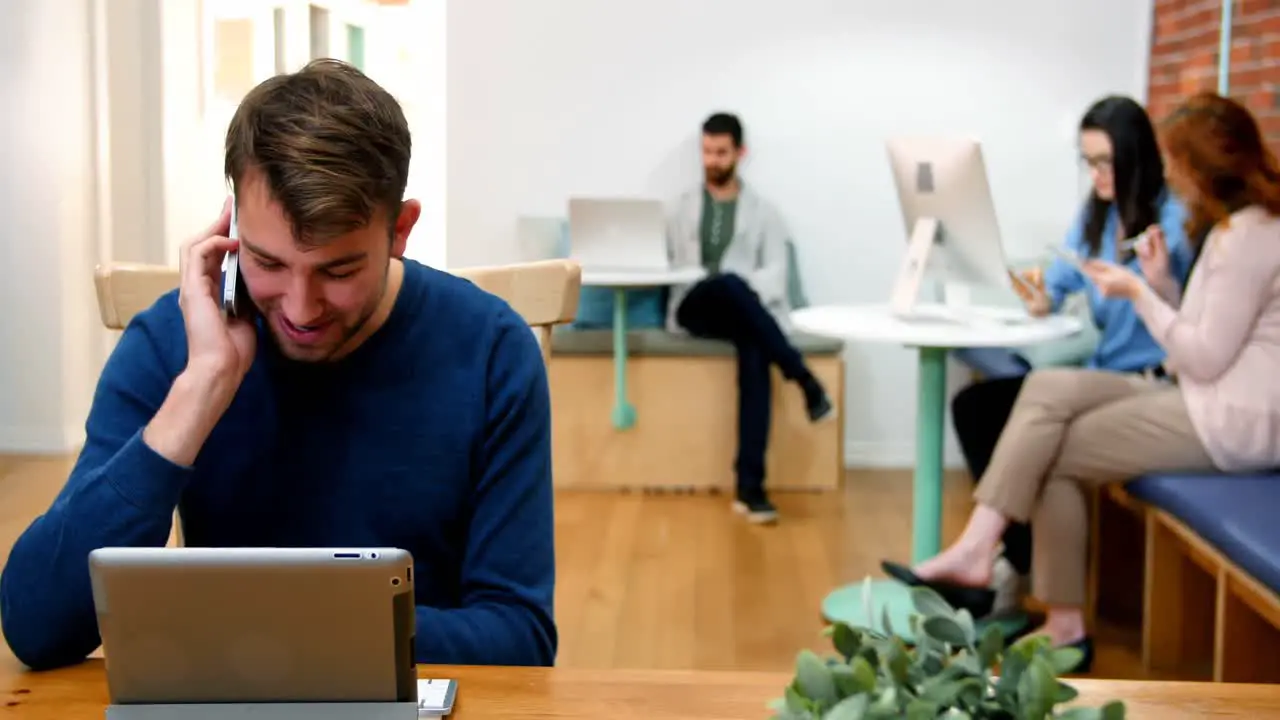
[(256, 625)]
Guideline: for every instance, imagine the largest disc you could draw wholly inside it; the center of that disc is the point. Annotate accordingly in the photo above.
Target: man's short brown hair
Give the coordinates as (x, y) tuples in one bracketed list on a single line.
[(332, 145)]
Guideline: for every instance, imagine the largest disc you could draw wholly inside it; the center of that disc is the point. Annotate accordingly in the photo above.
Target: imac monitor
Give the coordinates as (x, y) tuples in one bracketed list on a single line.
[(949, 216), (625, 235), (184, 627)]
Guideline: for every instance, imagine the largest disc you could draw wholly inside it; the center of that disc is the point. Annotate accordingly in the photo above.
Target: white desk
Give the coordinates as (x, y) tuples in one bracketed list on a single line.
[(932, 338), (622, 280)]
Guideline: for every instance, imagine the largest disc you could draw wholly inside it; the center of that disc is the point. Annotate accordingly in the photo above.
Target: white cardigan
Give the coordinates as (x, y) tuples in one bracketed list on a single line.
[(757, 252)]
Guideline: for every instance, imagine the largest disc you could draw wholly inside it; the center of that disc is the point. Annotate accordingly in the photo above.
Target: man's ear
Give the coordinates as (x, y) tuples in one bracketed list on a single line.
[(410, 211)]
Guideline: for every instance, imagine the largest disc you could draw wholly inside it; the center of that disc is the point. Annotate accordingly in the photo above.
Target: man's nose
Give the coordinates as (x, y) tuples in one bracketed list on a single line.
[(302, 302)]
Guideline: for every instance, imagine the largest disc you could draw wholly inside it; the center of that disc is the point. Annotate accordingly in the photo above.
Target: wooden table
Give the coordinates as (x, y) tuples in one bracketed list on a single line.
[(80, 693)]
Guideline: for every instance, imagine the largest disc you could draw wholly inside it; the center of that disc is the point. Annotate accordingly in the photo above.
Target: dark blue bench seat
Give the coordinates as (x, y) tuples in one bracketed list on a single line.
[(1239, 515)]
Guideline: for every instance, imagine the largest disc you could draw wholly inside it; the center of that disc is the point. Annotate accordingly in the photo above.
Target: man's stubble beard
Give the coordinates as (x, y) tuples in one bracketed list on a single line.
[(719, 178), (348, 332)]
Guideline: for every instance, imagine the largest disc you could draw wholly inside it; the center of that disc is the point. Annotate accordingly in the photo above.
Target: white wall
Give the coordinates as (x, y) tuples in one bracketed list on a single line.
[(113, 154), (582, 96), (51, 347), (404, 52)]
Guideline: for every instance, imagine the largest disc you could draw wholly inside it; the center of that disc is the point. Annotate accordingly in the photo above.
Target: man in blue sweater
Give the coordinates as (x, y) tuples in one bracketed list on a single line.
[(367, 401)]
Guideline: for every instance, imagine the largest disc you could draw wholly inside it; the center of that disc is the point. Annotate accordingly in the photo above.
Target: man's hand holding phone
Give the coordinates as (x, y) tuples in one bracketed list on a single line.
[(1029, 285), (220, 350)]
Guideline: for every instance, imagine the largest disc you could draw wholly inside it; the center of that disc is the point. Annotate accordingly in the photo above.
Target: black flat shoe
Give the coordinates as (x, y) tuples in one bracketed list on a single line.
[(978, 601)]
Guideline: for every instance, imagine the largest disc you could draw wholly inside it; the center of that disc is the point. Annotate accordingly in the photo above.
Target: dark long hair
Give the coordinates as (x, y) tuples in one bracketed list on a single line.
[(1136, 163), (1215, 145)]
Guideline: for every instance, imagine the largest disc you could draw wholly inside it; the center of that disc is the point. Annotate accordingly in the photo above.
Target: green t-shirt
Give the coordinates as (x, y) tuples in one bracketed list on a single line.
[(717, 229)]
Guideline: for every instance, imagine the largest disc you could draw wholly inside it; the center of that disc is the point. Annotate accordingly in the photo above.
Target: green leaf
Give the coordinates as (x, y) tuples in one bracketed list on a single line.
[(971, 692), (1012, 668), (990, 646), (1113, 710), (1065, 659), (919, 709), (929, 603), (887, 702), (946, 630), (1065, 693), (864, 675), (846, 640), (898, 662), (931, 664), (884, 621), (795, 702), (966, 624), (968, 662), (1028, 645), (842, 677), (814, 678), (851, 708), (1037, 688), (940, 689)]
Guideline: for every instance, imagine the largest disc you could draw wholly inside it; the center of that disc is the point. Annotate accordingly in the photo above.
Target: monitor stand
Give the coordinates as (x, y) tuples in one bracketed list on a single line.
[(266, 711), (954, 306), (915, 268)]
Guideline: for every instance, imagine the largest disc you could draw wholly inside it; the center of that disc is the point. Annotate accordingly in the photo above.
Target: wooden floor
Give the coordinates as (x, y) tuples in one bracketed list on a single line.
[(677, 581)]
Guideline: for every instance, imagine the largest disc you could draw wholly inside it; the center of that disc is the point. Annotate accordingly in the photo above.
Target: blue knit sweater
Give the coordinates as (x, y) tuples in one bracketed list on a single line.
[(432, 436)]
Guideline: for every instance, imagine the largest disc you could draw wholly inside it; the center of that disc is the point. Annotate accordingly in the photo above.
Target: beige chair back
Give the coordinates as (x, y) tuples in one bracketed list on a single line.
[(544, 293)]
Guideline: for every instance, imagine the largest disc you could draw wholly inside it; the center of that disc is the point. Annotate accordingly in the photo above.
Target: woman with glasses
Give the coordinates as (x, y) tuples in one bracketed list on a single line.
[(1128, 198)]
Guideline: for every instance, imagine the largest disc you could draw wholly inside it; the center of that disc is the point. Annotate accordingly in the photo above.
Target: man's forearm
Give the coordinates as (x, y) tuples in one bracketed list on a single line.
[(490, 634), (121, 497), (195, 403)]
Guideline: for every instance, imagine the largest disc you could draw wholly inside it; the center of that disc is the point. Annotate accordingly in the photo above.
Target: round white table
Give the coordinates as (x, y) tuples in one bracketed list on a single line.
[(624, 413), (933, 331)]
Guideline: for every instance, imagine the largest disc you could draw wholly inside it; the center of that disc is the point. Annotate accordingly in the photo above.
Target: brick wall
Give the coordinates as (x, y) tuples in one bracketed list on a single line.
[(1184, 56)]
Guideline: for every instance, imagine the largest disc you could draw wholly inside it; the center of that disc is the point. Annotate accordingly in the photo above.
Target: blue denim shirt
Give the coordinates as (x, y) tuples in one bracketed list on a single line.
[(1125, 344)]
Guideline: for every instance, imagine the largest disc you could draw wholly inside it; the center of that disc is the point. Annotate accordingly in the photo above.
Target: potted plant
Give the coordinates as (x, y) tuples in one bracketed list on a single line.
[(950, 672)]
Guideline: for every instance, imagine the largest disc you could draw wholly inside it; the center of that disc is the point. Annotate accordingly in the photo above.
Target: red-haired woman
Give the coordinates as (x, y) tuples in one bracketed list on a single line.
[(1072, 428)]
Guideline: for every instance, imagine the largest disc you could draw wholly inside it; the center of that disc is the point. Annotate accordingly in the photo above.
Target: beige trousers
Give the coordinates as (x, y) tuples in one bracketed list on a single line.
[(1073, 428)]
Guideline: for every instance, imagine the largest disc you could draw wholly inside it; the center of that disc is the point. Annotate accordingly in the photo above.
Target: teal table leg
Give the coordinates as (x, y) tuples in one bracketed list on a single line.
[(624, 413), (849, 604), (931, 391)]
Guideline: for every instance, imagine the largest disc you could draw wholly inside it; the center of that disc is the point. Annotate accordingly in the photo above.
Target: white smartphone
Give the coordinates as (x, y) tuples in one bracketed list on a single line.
[(235, 299), (435, 697), (1133, 242)]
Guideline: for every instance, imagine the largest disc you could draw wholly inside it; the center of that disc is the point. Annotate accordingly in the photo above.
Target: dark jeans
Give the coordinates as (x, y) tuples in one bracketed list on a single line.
[(979, 413), (724, 307)]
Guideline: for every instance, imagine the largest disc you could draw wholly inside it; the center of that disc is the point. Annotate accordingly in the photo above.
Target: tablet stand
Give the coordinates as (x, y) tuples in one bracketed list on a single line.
[(266, 711)]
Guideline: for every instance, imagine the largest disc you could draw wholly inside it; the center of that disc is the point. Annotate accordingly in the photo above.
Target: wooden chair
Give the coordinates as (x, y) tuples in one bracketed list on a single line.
[(544, 293)]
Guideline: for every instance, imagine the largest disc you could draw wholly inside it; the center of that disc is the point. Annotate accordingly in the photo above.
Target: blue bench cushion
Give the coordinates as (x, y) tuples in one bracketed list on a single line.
[(1234, 513), (664, 343), (646, 308)]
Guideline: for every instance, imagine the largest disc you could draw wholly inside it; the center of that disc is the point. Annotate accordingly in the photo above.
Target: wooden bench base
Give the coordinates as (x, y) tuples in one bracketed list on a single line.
[(1202, 617), (1201, 610), (685, 435)]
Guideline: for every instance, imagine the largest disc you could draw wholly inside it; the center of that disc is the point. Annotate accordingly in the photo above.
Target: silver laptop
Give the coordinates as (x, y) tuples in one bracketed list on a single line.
[(618, 234), (306, 628)]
